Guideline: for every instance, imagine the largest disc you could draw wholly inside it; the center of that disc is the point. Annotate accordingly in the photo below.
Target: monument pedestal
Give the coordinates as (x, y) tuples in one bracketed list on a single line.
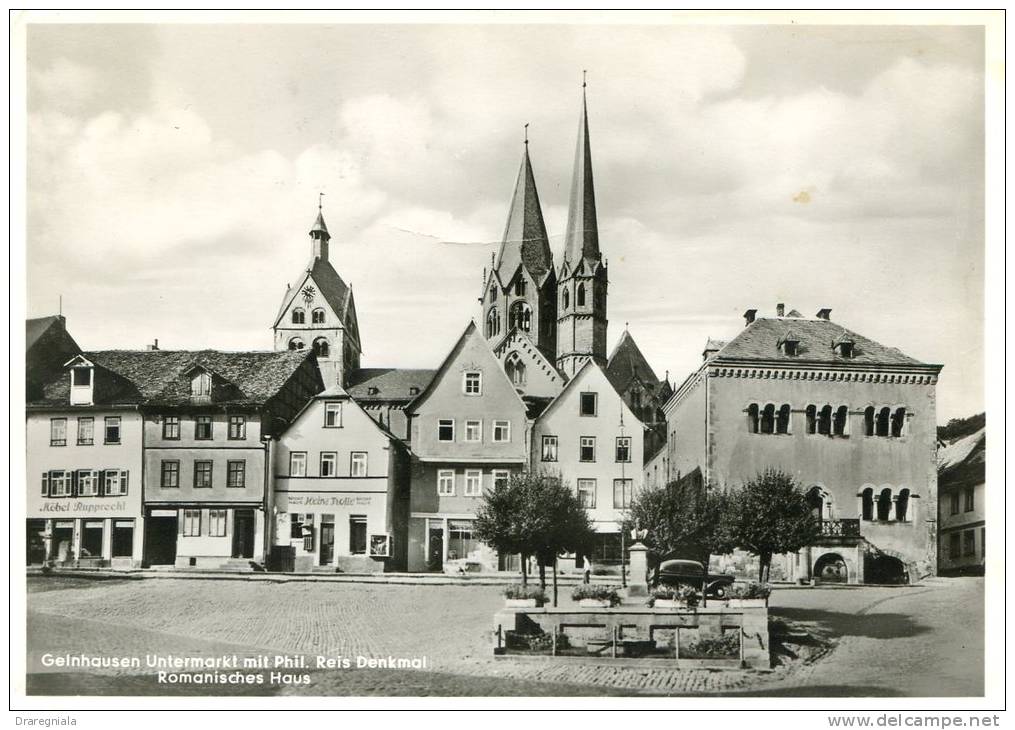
[(637, 582)]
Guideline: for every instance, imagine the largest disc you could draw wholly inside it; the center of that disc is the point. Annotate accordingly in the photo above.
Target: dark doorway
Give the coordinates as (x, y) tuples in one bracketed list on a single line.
[(327, 543), (36, 541), (885, 569), (435, 561), (160, 539), (831, 568), (91, 539), (63, 541), (243, 533), (123, 538)]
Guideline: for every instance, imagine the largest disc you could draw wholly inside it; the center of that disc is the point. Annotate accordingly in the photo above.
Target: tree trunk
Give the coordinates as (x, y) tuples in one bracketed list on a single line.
[(555, 582), (764, 560), (525, 572), (542, 573)]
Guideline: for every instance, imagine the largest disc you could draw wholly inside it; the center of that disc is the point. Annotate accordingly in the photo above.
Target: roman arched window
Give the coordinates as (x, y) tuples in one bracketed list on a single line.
[(752, 418), (299, 316), (868, 421), (296, 344), (521, 316), (567, 299), (515, 369), (768, 419), (492, 323), (820, 505), (812, 419), (881, 423), (321, 347), (902, 505), (885, 505), (579, 299), (782, 419), (898, 421), (317, 316), (825, 421), (867, 504), (840, 420)]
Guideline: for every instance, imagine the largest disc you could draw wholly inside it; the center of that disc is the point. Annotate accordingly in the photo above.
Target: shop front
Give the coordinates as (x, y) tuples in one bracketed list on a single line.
[(226, 535)]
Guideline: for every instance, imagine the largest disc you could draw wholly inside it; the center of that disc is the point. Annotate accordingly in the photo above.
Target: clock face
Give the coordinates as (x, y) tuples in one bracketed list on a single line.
[(308, 293)]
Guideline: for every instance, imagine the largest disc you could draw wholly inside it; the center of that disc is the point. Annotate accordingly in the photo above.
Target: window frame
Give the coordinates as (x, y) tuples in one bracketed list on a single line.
[(167, 423), (200, 468), (619, 446), (476, 477), (547, 440), (955, 503), (626, 485), (95, 477), (328, 457), (582, 486), (189, 527), (200, 421), (582, 447), (166, 468), (299, 457), (119, 477), (236, 466), (595, 404), (501, 474), (968, 499), (200, 385), (445, 476), (241, 432), (217, 516), (472, 383), (333, 407), (353, 472), (505, 426), (358, 520), (66, 480), (91, 440), (479, 431), (443, 423), (111, 422), (53, 431)]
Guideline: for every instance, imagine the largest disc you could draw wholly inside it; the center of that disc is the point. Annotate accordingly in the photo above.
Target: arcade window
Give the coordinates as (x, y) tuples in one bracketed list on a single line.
[(236, 474), (171, 428)]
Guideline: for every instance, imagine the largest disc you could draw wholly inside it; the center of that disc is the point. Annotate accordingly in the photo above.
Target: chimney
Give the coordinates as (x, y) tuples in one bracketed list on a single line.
[(780, 310), (154, 346), (749, 316), (825, 314)]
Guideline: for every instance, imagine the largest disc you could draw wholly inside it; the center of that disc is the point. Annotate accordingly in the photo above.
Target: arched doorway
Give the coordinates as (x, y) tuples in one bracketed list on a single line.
[(882, 568), (831, 568)]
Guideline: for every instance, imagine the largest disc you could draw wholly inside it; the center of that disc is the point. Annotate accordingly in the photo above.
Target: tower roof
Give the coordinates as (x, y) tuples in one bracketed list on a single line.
[(627, 363), (525, 242), (581, 241), (319, 226)]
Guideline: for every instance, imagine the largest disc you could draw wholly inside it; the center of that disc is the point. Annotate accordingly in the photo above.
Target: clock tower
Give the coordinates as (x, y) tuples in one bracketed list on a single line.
[(319, 312)]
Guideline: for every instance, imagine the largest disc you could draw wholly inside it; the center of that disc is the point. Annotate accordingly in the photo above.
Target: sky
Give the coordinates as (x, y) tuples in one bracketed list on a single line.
[(174, 172)]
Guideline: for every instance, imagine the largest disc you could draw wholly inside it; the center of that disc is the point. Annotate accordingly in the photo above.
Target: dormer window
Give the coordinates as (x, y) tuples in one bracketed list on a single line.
[(790, 344), (200, 384), (373, 390), (413, 390), (82, 375), (844, 348)]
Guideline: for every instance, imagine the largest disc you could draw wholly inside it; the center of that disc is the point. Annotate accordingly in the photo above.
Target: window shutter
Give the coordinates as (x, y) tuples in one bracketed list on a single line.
[(74, 483), (123, 482), (45, 484), (180, 520), (100, 488)]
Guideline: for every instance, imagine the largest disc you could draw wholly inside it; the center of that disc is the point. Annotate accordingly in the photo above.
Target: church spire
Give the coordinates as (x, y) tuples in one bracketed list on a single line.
[(525, 241), (581, 241), (319, 233)]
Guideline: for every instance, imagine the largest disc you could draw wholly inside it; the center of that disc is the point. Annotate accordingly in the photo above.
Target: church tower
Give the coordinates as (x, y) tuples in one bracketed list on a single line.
[(582, 279), (520, 291), (319, 312)]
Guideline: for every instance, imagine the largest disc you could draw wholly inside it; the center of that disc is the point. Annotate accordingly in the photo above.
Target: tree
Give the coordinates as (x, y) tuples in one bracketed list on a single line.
[(767, 515), (533, 514), (680, 517)]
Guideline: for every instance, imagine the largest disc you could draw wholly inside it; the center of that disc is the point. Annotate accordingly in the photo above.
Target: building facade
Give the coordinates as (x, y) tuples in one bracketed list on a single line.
[(851, 420), (469, 429), (341, 489), (962, 505)]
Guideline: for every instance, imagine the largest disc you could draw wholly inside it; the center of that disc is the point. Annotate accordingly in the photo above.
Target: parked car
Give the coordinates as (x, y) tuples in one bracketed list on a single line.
[(675, 571)]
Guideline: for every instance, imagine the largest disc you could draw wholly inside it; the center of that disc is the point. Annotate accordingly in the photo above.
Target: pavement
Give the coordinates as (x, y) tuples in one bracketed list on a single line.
[(841, 641)]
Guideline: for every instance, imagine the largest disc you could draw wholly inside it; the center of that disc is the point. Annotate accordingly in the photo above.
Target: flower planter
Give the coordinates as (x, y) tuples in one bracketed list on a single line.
[(673, 603), (710, 663), (593, 603), (521, 603), (747, 603)]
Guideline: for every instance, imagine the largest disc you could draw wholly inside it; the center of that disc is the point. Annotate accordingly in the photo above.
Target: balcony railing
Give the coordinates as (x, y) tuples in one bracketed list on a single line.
[(840, 528)]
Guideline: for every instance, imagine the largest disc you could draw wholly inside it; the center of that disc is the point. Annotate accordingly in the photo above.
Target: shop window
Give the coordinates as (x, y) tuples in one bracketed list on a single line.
[(587, 493), (473, 482), (91, 539), (86, 431), (622, 493), (171, 428), (57, 431), (237, 428), (461, 542), (588, 404), (501, 432), (216, 523), (473, 431), (332, 414), (203, 428), (446, 429), (358, 464), (123, 538), (295, 526), (236, 474), (328, 462), (298, 464), (202, 475), (357, 535), (549, 451), (191, 523), (170, 475), (446, 483), (587, 449)]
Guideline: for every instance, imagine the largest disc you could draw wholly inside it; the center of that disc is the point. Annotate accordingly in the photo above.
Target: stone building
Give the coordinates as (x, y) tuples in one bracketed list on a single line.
[(962, 505), (853, 421)]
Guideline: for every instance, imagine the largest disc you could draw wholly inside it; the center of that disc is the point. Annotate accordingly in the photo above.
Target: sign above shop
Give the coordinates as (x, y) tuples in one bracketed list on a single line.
[(327, 500)]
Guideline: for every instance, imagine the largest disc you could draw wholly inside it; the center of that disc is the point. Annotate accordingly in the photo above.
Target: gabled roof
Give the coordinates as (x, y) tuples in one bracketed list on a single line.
[(962, 463), (35, 328), (589, 363), (627, 363), (515, 333), (581, 239), (760, 341), (159, 377), (328, 284), (391, 384), (525, 243)]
